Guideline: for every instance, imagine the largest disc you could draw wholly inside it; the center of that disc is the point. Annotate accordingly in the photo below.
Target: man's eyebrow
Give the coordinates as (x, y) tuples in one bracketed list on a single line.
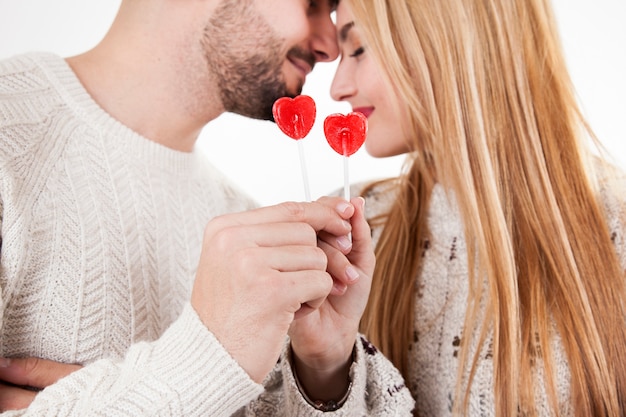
[(343, 33)]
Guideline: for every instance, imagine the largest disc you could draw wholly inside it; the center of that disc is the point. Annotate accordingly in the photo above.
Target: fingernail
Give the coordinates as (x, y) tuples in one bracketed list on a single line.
[(352, 273), (362, 200), (344, 243), (343, 207), (5, 363)]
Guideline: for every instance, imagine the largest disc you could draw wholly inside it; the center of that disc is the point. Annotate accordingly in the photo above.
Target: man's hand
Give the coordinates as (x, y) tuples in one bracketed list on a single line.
[(21, 378), (260, 268)]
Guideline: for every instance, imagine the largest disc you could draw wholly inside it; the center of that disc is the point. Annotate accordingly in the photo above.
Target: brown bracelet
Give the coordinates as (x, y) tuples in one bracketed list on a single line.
[(324, 406), (330, 405)]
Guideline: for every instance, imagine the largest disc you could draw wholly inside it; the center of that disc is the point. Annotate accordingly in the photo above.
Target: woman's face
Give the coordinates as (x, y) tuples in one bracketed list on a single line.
[(358, 81)]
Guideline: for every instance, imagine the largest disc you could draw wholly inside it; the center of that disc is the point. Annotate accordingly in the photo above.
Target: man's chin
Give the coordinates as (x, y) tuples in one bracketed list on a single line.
[(264, 109), (264, 113), (296, 91)]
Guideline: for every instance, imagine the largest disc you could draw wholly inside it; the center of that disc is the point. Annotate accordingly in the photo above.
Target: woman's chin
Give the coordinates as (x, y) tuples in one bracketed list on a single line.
[(376, 151)]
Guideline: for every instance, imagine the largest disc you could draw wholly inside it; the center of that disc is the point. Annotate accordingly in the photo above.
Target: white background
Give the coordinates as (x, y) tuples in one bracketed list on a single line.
[(265, 163)]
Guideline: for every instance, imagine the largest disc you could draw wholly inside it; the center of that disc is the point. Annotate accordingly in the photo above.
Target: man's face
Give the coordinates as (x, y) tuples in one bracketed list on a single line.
[(261, 50)]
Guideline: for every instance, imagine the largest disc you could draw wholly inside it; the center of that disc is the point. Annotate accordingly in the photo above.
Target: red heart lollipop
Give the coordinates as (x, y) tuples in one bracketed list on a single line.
[(294, 116), (345, 134)]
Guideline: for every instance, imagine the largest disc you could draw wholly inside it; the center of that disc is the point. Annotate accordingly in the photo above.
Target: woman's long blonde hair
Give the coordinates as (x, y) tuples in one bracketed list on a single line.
[(496, 121)]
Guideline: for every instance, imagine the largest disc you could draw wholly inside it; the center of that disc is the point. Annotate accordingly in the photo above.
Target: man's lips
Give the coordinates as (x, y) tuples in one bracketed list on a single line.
[(366, 111), (301, 65)]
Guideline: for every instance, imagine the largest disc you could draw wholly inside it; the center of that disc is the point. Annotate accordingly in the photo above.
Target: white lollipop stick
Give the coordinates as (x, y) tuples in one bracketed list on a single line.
[(346, 178), (346, 184), (305, 178)]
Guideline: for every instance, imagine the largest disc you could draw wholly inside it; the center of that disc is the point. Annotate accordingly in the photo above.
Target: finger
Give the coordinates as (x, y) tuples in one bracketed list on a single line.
[(340, 268), (303, 311), (34, 372), (15, 398), (307, 287), (342, 243), (231, 239), (362, 252), (339, 204), (291, 258), (317, 215), (347, 266)]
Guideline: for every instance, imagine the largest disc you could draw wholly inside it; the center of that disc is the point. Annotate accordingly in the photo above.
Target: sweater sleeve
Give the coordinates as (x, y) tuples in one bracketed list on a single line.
[(1, 218), (378, 389), (184, 373)]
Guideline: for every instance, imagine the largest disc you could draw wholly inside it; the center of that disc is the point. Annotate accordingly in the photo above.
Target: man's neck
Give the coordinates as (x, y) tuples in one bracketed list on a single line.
[(152, 82)]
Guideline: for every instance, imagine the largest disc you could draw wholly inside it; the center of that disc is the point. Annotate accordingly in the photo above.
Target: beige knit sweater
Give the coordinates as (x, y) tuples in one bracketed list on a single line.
[(101, 232), (441, 300)]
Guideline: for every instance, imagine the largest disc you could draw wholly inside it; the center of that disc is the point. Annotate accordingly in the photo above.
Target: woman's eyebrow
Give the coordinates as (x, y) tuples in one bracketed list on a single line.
[(343, 33)]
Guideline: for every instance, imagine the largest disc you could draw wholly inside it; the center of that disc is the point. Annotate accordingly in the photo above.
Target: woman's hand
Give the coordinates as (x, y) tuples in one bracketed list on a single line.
[(322, 341)]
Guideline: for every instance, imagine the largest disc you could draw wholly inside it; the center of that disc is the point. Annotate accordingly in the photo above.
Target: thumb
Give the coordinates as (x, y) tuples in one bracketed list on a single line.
[(362, 252)]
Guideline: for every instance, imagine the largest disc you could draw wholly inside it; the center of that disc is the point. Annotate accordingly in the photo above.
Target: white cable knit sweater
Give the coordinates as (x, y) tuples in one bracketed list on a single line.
[(101, 234), (441, 301)]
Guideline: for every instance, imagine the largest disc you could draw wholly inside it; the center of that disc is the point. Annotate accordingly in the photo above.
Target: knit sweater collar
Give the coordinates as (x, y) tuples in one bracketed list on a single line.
[(118, 135)]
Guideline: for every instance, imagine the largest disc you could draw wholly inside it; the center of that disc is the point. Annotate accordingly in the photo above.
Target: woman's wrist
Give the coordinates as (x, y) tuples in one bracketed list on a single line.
[(326, 389)]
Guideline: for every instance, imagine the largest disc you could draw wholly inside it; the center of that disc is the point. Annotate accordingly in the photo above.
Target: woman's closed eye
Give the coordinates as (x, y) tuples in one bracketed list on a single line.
[(357, 52)]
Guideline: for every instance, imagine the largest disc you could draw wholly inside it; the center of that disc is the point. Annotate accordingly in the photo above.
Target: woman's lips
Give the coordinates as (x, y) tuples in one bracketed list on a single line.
[(366, 111)]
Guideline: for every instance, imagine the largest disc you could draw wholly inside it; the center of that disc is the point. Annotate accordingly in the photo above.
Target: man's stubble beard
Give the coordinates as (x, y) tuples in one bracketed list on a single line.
[(243, 54)]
